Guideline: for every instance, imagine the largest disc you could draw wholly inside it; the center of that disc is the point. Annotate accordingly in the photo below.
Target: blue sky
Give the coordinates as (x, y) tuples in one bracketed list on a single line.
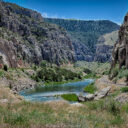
[(113, 10)]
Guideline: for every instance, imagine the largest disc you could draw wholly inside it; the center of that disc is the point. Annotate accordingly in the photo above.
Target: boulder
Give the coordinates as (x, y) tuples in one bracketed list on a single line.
[(89, 97), (98, 95), (81, 97), (101, 94)]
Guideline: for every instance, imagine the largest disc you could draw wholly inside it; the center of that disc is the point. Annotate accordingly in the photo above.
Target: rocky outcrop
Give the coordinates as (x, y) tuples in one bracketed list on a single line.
[(104, 47), (96, 96), (103, 53), (122, 98), (85, 36), (120, 51), (26, 38), (82, 52)]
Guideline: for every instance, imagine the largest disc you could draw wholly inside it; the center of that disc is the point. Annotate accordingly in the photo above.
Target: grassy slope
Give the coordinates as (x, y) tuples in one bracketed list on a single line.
[(100, 114), (98, 68), (110, 38)]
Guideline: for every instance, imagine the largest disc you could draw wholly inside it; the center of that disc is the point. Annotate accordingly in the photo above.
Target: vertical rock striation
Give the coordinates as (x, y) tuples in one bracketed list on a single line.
[(26, 38), (120, 51)]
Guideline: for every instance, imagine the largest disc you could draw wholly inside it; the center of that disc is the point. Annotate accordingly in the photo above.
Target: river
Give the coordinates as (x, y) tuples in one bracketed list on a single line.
[(49, 93)]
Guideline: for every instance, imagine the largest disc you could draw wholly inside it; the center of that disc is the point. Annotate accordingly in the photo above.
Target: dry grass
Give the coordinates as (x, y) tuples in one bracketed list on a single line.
[(6, 93), (99, 114)]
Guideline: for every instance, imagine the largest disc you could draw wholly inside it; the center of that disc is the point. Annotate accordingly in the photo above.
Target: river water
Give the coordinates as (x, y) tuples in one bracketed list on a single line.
[(49, 93)]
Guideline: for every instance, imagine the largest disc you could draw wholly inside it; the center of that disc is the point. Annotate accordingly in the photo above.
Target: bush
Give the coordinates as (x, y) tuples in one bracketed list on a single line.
[(44, 63), (113, 108), (70, 97), (88, 71), (1, 73), (124, 89), (90, 88), (5, 68), (55, 74)]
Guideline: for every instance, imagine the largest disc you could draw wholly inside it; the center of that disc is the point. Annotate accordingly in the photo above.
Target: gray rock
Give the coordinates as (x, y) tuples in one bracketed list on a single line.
[(98, 95), (36, 40), (81, 97), (120, 51), (101, 94), (89, 97), (122, 98)]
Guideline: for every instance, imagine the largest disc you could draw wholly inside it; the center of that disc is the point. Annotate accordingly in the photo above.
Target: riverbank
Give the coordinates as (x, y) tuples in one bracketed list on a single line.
[(106, 112)]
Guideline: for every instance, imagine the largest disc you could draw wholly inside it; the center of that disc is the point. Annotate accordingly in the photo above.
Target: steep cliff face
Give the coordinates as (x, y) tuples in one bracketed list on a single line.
[(26, 38), (120, 51), (85, 36), (104, 47)]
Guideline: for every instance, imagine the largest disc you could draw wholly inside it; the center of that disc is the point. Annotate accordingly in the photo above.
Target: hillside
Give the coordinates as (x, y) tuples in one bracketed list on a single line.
[(109, 38), (86, 34), (25, 38)]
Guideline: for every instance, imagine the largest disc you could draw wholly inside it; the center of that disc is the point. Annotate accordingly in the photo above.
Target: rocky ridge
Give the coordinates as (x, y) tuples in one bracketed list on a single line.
[(85, 36), (25, 38)]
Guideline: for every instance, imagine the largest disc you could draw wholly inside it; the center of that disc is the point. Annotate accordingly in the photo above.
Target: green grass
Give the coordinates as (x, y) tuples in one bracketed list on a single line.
[(1, 73), (117, 73), (92, 76), (70, 97), (90, 88), (94, 67)]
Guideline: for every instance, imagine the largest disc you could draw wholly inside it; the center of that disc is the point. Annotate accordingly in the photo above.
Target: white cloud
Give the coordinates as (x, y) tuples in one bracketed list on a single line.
[(47, 15), (44, 14)]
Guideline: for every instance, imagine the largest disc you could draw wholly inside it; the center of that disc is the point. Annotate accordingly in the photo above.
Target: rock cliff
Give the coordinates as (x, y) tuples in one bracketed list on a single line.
[(26, 38), (120, 51), (85, 36)]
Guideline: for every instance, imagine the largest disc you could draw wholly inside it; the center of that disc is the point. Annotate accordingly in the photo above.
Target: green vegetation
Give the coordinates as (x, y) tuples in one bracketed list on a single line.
[(90, 88), (87, 71), (55, 74), (94, 67), (86, 32), (117, 73), (70, 97), (103, 113), (91, 75), (110, 38), (1, 73), (124, 89)]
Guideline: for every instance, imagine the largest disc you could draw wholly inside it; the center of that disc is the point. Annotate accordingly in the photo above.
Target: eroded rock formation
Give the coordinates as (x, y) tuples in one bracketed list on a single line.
[(120, 52), (26, 38)]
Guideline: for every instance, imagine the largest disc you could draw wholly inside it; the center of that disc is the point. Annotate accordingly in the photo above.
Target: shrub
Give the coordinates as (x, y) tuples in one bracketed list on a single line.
[(43, 63), (55, 74), (1, 73), (70, 97), (5, 68), (90, 88), (113, 108), (106, 73), (88, 71), (124, 89)]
